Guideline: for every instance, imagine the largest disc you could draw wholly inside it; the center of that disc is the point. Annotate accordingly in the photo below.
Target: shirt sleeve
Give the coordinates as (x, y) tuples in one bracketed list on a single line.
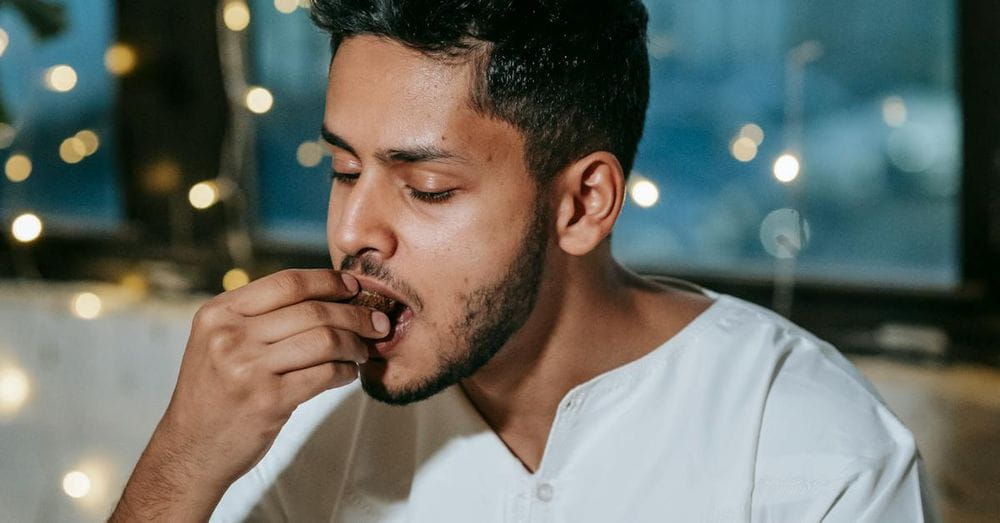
[(881, 491), (830, 450)]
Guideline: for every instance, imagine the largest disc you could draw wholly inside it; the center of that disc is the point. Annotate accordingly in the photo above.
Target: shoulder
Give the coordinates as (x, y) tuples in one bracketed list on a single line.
[(827, 441)]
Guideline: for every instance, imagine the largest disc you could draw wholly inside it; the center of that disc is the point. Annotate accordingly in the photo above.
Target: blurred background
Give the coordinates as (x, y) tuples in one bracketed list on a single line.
[(838, 162)]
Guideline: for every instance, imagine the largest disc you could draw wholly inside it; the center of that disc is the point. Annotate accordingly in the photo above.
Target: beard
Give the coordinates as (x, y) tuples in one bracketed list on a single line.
[(493, 313)]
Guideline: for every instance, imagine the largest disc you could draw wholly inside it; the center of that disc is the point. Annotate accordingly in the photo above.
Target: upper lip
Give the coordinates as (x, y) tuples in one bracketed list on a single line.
[(379, 287)]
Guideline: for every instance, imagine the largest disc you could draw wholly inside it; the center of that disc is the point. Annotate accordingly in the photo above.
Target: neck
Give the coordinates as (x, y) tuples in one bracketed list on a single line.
[(591, 316)]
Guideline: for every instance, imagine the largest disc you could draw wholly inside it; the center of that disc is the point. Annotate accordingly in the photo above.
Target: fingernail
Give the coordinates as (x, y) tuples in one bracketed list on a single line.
[(349, 282), (380, 321)]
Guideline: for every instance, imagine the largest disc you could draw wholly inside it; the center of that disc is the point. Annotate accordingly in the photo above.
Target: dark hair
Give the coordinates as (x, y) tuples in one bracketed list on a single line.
[(571, 75)]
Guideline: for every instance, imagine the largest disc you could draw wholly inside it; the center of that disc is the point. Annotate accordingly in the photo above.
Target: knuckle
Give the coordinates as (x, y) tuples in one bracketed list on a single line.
[(289, 281), (209, 316), (239, 373), (315, 311), (222, 340)]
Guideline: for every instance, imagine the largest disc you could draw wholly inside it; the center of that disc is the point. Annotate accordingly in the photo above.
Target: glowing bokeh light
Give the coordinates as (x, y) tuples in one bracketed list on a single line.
[(784, 233), (4, 41), (120, 59), (204, 195), (7, 135), (162, 177), (286, 6), (236, 15), (894, 111), (15, 387), (787, 168), (86, 305), (60, 78), (753, 132), (743, 149), (259, 100), (17, 168), (234, 279), (90, 141), (135, 284), (309, 154), (72, 150), (76, 484), (26, 228), (644, 193)]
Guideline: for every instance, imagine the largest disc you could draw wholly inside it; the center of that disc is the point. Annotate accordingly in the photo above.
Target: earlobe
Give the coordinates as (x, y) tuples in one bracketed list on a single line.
[(591, 194)]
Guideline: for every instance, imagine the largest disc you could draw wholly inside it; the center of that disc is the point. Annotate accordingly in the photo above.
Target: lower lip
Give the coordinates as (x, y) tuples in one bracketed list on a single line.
[(385, 346)]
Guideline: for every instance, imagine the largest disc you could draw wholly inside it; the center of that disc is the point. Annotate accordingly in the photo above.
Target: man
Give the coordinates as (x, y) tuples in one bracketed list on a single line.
[(509, 368)]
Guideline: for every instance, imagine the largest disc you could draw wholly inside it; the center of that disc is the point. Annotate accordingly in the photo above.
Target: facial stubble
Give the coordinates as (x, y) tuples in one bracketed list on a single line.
[(493, 313)]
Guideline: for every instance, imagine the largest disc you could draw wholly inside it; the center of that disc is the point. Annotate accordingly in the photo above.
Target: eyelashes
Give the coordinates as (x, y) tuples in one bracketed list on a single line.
[(429, 197)]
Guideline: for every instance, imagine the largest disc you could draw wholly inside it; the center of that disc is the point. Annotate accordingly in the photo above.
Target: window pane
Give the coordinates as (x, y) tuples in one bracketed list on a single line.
[(861, 93), (77, 188), (857, 99)]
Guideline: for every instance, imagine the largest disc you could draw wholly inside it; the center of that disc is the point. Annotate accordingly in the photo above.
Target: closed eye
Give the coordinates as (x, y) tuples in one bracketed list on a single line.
[(424, 196)]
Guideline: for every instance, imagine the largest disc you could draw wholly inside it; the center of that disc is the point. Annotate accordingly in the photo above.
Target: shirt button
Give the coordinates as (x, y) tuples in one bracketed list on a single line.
[(545, 492)]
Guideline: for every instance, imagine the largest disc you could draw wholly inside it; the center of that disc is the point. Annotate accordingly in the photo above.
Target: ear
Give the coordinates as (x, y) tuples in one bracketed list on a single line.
[(590, 195)]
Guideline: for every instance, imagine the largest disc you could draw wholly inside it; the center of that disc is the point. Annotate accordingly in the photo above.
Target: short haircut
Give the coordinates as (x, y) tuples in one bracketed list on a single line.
[(571, 75)]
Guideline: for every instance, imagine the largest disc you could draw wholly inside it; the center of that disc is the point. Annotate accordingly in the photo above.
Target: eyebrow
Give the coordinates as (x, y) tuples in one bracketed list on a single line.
[(415, 154)]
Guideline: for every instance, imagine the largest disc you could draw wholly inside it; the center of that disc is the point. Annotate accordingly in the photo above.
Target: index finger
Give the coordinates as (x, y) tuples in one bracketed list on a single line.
[(288, 287)]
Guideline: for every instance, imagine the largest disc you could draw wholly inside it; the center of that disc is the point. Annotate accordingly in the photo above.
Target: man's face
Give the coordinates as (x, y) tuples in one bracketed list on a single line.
[(434, 203)]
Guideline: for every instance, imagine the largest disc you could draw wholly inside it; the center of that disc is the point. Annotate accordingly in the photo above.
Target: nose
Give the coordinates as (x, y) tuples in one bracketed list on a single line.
[(360, 218)]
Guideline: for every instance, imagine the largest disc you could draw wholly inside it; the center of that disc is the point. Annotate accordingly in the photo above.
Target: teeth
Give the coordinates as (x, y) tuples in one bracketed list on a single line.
[(374, 300)]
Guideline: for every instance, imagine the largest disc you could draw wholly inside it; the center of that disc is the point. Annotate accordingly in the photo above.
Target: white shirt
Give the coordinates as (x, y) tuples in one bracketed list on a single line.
[(741, 416)]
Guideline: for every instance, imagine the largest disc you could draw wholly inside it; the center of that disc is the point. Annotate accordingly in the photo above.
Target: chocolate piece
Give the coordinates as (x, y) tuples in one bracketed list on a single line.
[(374, 300)]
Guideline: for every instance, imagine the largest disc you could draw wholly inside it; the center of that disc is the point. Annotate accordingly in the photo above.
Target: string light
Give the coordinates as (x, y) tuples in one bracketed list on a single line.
[(743, 149), (234, 279), (204, 195), (787, 168), (309, 154), (60, 78), (894, 111), (236, 15), (135, 284), (259, 100), (90, 141), (26, 228), (286, 6), (4, 41), (162, 177), (753, 132), (15, 387), (120, 59), (86, 305), (644, 193), (784, 233), (72, 150), (76, 484), (7, 134), (18, 168)]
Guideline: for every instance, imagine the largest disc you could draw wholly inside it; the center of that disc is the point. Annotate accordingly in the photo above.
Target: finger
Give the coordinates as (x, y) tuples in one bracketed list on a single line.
[(301, 385), (287, 287), (293, 319), (313, 347)]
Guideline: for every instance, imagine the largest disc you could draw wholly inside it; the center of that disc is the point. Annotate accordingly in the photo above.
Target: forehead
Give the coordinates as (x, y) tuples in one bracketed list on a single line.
[(382, 94)]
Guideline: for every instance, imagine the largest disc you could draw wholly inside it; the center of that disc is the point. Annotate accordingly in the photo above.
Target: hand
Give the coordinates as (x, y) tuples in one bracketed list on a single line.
[(254, 354)]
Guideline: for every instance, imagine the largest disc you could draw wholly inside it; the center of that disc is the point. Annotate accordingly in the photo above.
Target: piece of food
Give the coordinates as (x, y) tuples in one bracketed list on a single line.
[(374, 300)]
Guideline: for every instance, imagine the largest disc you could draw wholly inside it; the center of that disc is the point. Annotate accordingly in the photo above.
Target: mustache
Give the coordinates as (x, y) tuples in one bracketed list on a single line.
[(375, 269)]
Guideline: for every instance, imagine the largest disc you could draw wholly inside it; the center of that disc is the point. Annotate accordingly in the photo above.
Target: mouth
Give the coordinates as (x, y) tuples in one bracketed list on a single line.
[(399, 314)]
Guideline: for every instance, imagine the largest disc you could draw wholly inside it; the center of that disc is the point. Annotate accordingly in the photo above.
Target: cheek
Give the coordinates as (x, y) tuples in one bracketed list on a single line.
[(470, 249)]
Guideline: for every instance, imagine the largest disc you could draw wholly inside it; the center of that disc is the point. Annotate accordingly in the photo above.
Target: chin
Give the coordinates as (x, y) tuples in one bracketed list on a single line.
[(392, 382)]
